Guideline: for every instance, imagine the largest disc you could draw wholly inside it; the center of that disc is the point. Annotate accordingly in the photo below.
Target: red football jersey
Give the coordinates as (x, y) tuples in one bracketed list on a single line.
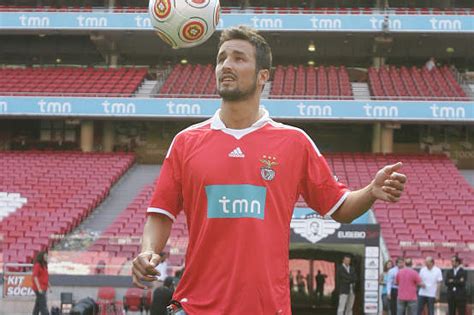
[(238, 189), (43, 277)]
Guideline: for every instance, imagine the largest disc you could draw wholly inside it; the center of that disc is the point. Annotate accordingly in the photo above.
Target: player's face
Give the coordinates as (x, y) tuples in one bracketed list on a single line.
[(429, 263), (400, 264), (347, 261), (236, 73), (454, 263)]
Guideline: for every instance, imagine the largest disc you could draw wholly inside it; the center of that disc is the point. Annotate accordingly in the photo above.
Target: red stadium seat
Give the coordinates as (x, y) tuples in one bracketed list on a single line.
[(310, 82), (49, 210), (190, 81), (107, 303), (133, 300), (71, 81), (415, 83), (423, 222)]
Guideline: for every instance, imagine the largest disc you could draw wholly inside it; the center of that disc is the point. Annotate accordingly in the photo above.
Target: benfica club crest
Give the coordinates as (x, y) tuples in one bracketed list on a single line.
[(267, 171)]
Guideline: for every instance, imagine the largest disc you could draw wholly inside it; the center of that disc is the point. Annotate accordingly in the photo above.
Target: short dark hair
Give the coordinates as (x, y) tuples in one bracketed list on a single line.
[(263, 52), (457, 259), (168, 282), (399, 259)]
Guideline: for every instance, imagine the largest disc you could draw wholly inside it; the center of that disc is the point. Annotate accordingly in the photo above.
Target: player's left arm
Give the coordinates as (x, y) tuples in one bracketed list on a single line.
[(387, 185)]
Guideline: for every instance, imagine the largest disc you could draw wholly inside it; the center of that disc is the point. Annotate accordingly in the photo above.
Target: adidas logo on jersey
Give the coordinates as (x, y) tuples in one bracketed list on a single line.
[(237, 153)]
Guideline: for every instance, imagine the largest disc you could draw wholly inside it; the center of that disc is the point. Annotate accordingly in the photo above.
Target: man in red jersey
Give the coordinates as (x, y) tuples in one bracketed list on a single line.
[(237, 177)]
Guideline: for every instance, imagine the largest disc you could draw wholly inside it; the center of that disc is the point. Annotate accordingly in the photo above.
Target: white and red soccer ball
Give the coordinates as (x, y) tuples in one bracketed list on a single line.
[(184, 23)]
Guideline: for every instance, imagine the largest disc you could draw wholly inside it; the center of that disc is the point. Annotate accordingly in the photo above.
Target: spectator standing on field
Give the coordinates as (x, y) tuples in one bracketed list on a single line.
[(408, 281), (432, 278)]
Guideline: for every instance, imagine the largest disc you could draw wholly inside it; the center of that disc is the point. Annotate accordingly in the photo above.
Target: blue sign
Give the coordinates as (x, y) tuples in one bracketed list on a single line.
[(265, 22), (203, 108), (236, 201)]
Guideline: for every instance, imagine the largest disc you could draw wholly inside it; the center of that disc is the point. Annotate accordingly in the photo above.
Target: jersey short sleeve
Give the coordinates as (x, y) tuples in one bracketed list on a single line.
[(321, 191), (167, 197)]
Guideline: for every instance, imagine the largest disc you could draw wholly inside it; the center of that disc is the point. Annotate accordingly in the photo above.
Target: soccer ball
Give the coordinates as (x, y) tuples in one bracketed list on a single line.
[(184, 23)]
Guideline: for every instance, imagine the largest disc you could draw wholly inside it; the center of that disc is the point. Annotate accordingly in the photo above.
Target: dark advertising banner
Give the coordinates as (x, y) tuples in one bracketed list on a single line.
[(310, 228)]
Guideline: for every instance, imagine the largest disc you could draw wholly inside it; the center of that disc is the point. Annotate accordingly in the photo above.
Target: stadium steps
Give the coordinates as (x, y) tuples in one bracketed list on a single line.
[(469, 176), (147, 88), (121, 195), (469, 89), (360, 91)]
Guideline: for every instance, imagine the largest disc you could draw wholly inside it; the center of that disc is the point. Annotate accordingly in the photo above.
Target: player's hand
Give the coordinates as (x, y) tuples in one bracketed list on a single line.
[(143, 268), (388, 184)]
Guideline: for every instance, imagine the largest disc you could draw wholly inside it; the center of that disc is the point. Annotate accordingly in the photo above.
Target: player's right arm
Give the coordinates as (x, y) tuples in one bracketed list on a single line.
[(165, 205), (155, 235)]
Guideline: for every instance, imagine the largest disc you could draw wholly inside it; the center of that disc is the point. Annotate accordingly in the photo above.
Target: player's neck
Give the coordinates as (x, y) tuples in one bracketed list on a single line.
[(240, 114)]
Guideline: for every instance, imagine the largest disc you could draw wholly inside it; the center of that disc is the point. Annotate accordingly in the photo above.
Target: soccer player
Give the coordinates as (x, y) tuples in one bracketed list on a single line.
[(237, 177)]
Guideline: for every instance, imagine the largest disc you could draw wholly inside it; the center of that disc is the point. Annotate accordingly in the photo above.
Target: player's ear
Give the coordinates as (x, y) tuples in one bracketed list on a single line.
[(263, 76)]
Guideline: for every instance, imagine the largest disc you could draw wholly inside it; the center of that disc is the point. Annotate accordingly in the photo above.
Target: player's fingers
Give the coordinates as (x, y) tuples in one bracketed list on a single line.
[(139, 266), (155, 259), (400, 177), (394, 184), (392, 191), (137, 282), (389, 169), (143, 277), (392, 198), (145, 264), (150, 270)]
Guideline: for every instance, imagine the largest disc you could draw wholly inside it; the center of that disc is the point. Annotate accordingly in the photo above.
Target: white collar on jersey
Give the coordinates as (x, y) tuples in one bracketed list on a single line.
[(218, 124)]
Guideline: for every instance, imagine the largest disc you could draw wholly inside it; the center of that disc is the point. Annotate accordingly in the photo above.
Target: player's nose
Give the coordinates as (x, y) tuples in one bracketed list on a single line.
[(227, 64)]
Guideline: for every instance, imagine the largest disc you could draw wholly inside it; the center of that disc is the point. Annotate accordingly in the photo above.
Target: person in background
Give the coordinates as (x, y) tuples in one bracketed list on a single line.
[(383, 282), (408, 281), (309, 283), (346, 280), (41, 283), (455, 282), (300, 281), (320, 280), (432, 278), (430, 64), (162, 267), (392, 287), (162, 297)]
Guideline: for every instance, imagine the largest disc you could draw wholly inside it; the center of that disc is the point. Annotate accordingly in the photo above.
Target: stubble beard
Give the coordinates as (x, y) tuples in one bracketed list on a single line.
[(236, 94)]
